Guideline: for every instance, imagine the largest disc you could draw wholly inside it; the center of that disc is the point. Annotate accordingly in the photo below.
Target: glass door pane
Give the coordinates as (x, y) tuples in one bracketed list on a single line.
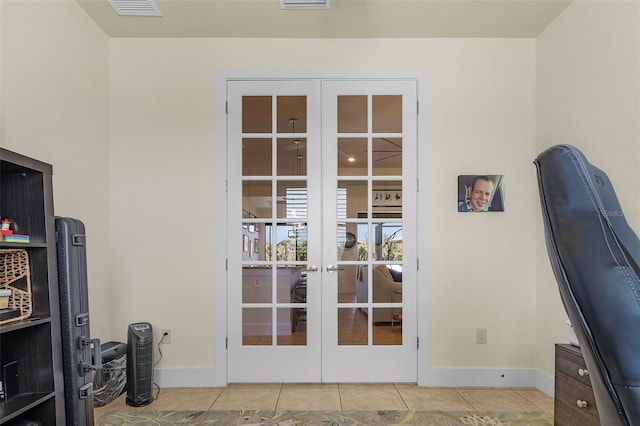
[(372, 149), (274, 192)]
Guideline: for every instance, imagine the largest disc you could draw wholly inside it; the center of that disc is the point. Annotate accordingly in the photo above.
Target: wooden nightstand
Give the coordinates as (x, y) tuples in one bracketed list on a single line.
[(574, 401)]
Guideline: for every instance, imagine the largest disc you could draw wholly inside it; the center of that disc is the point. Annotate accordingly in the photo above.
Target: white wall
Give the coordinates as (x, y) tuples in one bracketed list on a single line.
[(588, 95), (481, 119), (55, 65), (481, 116)]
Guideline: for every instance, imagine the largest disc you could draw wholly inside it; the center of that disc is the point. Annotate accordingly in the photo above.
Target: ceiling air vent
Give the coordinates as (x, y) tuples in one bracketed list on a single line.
[(135, 7), (304, 4)]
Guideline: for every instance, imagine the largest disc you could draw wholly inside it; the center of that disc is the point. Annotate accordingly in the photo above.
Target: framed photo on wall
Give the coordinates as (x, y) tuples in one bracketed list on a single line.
[(481, 193), (387, 197)]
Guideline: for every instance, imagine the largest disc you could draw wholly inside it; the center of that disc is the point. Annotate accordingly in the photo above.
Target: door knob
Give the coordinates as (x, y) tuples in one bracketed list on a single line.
[(312, 268), (333, 268)]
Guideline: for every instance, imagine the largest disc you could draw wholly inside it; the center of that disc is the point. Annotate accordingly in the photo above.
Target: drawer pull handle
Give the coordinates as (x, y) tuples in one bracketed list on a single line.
[(583, 372), (581, 404)]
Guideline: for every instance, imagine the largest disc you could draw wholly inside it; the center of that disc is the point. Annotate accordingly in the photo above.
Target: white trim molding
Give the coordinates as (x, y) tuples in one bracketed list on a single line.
[(436, 377), (189, 377)]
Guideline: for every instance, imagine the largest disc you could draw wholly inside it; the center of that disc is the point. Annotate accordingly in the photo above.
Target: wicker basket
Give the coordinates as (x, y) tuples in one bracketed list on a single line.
[(14, 266)]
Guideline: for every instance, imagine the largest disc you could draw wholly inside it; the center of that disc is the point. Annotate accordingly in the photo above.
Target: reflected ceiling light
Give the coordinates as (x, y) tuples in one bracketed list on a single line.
[(296, 142), (304, 4), (351, 159)]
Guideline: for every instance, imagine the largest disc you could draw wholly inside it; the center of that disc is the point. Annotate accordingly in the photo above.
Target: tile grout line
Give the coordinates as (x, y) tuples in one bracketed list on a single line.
[(278, 398), (400, 395), (216, 398), (530, 401), (465, 400), (515, 391)]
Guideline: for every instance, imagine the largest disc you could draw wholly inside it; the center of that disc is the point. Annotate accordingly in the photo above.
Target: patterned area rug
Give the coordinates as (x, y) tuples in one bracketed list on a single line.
[(297, 418)]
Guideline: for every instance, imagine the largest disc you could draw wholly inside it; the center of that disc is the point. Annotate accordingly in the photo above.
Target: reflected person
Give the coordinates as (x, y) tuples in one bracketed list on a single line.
[(478, 195)]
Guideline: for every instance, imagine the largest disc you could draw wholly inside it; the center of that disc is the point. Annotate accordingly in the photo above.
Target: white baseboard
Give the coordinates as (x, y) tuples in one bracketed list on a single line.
[(488, 377), (446, 377), (545, 383), (189, 377)]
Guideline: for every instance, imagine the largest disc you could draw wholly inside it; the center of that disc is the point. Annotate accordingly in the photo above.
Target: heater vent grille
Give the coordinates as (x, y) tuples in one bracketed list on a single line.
[(135, 7), (304, 4)]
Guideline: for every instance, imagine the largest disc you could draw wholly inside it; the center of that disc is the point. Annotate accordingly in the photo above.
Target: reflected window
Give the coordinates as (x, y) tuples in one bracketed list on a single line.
[(296, 199), (388, 241), (291, 242)]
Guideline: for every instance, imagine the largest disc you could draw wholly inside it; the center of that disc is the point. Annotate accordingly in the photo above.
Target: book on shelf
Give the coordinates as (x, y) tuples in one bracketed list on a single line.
[(16, 238), (6, 314)]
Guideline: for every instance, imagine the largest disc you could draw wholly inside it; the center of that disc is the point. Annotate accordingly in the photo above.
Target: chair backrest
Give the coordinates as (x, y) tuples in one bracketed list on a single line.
[(595, 255), (384, 272)]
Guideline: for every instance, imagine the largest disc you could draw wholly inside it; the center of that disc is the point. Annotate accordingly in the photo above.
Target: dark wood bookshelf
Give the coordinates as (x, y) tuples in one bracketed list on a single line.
[(26, 198)]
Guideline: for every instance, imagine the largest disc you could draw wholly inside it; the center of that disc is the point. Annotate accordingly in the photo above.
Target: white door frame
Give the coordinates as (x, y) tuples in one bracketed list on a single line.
[(220, 218)]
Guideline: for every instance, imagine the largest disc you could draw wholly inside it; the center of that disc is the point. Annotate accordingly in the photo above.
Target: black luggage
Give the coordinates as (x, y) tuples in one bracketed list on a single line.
[(80, 352)]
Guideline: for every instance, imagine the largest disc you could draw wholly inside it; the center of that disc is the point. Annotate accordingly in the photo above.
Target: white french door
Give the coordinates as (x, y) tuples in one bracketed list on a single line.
[(322, 219)]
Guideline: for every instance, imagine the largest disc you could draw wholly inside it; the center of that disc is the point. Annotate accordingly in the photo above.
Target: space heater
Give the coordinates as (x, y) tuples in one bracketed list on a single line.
[(139, 364)]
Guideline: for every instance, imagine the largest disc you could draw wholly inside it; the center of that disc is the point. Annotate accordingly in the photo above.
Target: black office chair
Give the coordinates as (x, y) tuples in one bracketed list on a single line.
[(595, 257)]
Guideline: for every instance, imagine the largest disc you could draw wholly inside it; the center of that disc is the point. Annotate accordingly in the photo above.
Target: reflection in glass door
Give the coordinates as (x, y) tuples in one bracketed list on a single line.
[(370, 211), (274, 228)]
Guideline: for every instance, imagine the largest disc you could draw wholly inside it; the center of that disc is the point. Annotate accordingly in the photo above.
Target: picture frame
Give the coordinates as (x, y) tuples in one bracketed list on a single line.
[(386, 197), (481, 193)]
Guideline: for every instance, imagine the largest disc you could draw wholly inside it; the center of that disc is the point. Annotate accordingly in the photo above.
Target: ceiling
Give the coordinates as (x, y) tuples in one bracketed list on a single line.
[(344, 19)]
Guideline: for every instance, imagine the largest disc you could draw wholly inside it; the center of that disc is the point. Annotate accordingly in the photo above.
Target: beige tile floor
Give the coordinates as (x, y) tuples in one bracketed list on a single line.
[(342, 396)]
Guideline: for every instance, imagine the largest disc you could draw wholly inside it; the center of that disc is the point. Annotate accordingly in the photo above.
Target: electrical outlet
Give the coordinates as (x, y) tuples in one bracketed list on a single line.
[(481, 336), (166, 336)]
